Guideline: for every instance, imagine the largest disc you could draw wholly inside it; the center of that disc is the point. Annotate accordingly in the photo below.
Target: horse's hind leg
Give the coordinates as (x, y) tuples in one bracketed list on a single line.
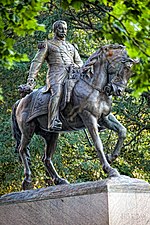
[(24, 154), (112, 123), (50, 147)]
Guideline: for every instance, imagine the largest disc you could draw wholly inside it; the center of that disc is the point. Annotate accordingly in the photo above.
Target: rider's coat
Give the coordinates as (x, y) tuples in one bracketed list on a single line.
[(59, 55)]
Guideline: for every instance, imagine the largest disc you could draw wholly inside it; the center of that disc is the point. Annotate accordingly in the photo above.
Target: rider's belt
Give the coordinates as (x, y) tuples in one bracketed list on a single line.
[(58, 65)]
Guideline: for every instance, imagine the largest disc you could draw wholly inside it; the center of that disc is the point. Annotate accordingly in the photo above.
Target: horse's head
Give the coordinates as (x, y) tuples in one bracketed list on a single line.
[(118, 67)]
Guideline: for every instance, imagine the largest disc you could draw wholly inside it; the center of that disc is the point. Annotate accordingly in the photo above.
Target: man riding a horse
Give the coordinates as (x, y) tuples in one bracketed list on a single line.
[(104, 74), (62, 59)]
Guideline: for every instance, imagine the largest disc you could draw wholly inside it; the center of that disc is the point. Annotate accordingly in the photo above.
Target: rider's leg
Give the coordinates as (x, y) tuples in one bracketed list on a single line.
[(53, 108)]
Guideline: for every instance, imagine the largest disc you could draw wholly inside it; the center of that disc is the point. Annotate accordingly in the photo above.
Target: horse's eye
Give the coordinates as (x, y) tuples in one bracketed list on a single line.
[(128, 65)]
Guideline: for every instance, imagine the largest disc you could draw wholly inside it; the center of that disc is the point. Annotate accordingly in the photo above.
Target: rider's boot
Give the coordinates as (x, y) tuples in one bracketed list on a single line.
[(57, 124), (53, 119)]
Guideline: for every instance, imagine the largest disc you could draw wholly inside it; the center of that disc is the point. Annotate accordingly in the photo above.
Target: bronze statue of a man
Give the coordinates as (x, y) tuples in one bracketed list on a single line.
[(60, 57)]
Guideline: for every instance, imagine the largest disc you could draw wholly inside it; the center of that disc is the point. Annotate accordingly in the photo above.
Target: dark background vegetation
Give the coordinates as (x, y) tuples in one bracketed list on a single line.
[(90, 25)]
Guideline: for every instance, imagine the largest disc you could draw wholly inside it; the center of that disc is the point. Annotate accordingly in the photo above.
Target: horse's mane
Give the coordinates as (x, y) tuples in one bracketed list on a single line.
[(109, 52)]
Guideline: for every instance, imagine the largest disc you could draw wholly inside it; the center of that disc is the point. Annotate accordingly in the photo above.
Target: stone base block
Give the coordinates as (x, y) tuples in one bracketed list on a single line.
[(115, 201)]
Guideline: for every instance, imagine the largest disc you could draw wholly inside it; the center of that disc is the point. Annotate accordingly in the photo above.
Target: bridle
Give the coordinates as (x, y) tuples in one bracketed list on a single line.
[(118, 71), (119, 58), (93, 86), (107, 89)]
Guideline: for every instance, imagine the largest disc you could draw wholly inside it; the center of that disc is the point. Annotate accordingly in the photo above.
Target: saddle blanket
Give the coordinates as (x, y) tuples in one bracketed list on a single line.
[(39, 103)]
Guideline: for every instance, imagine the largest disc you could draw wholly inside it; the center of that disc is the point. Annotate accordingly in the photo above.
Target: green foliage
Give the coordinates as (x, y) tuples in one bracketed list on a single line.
[(78, 161), (135, 155), (130, 25), (17, 19), (74, 159), (125, 22)]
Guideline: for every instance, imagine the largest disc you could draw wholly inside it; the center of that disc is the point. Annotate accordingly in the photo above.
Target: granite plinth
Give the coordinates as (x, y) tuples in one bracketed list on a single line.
[(115, 201)]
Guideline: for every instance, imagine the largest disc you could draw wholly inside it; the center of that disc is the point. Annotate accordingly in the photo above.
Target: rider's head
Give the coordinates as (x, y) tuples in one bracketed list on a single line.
[(60, 29)]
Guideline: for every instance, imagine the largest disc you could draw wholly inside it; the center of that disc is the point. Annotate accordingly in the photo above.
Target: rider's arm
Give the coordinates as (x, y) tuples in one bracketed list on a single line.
[(77, 59), (37, 63)]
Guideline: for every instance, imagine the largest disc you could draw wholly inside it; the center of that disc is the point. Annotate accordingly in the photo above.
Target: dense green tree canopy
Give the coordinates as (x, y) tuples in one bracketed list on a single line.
[(90, 25), (17, 18), (121, 21)]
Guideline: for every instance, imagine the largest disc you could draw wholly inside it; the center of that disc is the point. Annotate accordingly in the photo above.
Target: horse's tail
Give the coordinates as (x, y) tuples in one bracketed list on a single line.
[(15, 128)]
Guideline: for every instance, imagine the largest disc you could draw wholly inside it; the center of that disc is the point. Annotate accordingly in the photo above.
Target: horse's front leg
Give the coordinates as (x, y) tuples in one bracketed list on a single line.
[(90, 122), (112, 123)]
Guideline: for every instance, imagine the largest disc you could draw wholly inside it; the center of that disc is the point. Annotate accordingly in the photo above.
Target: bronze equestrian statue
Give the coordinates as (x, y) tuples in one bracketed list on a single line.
[(105, 74)]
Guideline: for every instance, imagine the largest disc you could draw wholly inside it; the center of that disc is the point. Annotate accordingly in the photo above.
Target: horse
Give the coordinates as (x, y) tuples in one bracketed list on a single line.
[(104, 74)]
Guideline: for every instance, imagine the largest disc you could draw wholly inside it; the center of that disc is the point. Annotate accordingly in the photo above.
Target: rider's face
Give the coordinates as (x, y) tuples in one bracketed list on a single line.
[(61, 31)]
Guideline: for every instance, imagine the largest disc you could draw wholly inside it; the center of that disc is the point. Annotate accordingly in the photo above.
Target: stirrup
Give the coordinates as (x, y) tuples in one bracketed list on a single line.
[(57, 125)]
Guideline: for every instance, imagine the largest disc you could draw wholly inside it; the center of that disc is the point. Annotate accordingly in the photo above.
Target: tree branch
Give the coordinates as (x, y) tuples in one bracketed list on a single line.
[(143, 128), (127, 33)]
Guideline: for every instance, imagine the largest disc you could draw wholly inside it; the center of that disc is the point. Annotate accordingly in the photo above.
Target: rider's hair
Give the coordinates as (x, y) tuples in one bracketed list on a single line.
[(56, 24)]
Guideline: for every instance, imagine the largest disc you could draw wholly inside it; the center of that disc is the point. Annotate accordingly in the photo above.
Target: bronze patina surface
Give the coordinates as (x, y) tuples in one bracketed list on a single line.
[(105, 73)]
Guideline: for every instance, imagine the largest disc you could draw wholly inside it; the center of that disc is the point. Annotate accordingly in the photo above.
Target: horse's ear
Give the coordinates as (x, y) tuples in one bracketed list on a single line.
[(136, 61), (131, 62)]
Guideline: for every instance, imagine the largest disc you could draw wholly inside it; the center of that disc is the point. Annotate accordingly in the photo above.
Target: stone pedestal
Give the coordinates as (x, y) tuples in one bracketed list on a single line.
[(115, 201)]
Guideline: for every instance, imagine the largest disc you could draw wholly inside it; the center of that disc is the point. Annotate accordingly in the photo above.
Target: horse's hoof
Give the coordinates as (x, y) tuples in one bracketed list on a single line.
[(60, 181), (26, 185), (63, 181), (114, 173)]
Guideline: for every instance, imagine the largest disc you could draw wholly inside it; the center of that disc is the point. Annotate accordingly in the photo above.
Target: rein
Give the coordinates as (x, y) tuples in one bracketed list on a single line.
[(105, 90), (93, 86)]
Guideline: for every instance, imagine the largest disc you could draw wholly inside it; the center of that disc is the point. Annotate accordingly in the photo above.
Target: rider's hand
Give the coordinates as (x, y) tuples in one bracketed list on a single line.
[(31, 82), (24, 89)]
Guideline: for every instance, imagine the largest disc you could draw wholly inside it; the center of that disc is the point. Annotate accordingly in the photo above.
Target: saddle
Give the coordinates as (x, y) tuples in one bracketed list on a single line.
[(40, 99)]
